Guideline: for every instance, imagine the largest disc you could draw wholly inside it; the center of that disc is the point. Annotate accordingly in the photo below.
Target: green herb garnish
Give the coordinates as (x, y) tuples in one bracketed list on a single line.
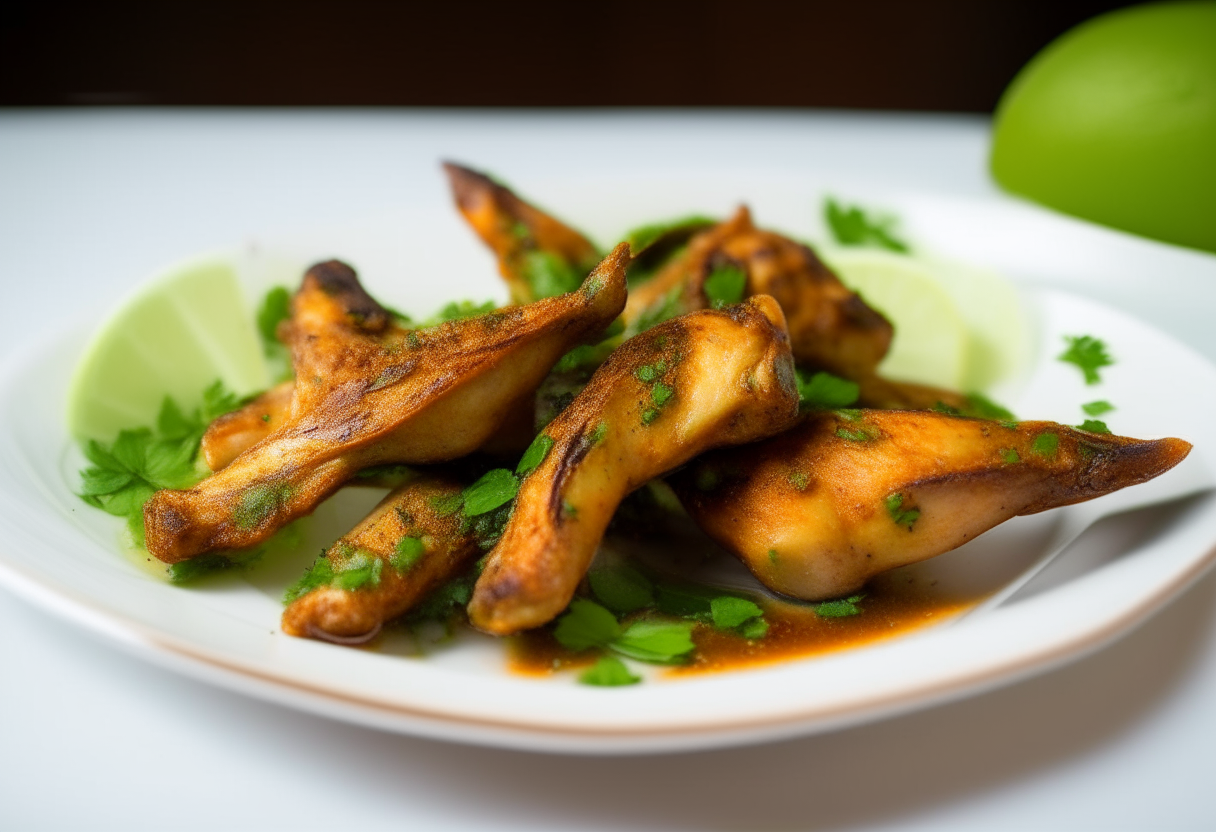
[(824, 390), (459, 310), (621, 588), (1088, 353), (725, 286), (1010, 455), (535, 455), (548, 275), (493, 489), (1094, 426), (729, 612), (852, 227), (840, 608), (275, 308), (1097, 408), (1045, 444), (608, 672), (408, 551), (902, 516)]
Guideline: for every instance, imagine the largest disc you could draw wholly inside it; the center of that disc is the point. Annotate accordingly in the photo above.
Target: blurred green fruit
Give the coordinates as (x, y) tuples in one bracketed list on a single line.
[(1115, 122)]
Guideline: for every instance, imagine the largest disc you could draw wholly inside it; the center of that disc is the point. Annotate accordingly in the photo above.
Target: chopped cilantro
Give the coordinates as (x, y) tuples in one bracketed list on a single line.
[(1094, 426), (1097, 408), (447, 600), (598, 434), (535, 455), (665, 308), (259, 503), (753, 630), (851, 227), (275, 308), (981, 407), (188, 571), (660, 642), (1087, 353), (408, 551), (1010, 455), (357, 571), (902, 516), (549, 275), (839, 608), (1045, 444), (800, 480), (585, 625), (684, 600), (621, 588), (321, 574), (729, 612), (649, 415), (660, 394), (725, 286), (773, 557), (608, 672), (495, 488), (949, 410), (649, 372), (646, 235), (824, 390)]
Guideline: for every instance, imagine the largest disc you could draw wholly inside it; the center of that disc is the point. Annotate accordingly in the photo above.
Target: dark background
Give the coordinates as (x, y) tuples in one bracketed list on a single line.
[(951, 55)]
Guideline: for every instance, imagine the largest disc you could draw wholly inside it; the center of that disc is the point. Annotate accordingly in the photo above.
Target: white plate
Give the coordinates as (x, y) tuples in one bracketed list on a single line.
[(63, 554)]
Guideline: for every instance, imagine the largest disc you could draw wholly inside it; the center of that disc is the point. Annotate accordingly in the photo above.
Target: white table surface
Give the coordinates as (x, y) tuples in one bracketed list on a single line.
[(91, 738)]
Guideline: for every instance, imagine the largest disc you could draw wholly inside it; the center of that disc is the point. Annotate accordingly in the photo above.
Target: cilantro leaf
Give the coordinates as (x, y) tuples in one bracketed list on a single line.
[(408, 551), (981, 407), (1094, 426), (1088, 353), (725, 286), (645, 236), (548, 275), (1045, 444), (609, 671), (729, 612), (320, 574), (188, 571), (586, 624), (839, 608), (621, 588), (1097, 408), (655, 641), (755, 629), (495, 488), (458, 310), (900, 515), (852, 227), (684, 600), (824, 390)]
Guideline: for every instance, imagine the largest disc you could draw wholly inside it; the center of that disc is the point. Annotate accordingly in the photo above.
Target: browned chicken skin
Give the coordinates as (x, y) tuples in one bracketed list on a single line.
[(700, 381), (418, 548), (830, 327), (526, 240), (369, 393), (817, 511), (232, 434)]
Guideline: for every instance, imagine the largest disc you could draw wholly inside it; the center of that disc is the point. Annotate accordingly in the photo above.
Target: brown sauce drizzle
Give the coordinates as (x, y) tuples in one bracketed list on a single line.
[(895, 604)]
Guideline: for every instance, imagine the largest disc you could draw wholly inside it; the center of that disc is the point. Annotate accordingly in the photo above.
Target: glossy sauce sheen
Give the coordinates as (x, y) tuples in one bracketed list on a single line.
[(892, 605)]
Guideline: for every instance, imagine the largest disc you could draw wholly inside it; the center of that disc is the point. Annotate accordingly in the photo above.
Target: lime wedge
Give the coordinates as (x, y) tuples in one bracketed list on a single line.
[(175, 336), (931, 343)]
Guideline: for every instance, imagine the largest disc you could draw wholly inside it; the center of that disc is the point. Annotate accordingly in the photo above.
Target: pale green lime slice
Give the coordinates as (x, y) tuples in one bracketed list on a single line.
[(931, 343), (175, 336)]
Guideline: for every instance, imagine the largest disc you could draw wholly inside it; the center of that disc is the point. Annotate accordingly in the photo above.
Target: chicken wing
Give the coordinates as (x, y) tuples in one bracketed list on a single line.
[(816, 512), (538, 255), (830, 327), (397, 555), (369, 393), (700, 381)]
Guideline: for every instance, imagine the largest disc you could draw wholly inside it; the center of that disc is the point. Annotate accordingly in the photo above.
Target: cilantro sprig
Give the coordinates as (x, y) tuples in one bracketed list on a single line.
[(824, 390), (123, 475), (1087, 353), (851, 226)]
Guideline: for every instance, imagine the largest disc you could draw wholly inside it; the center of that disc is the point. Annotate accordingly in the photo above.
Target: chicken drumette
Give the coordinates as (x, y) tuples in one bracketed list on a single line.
[(700, 381), (368, 393), (819, 510)]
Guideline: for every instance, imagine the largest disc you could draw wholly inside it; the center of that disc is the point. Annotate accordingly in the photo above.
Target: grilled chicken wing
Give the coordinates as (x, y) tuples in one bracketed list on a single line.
[(704, 380), (417, 547), (368, 393), (232, 434), (538, 255), (830, 327), (816, 512)]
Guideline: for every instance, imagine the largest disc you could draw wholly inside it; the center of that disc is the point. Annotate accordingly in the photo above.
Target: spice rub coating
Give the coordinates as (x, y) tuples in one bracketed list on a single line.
[(845, 495), (371, 393), (416, 547), (700, 381)]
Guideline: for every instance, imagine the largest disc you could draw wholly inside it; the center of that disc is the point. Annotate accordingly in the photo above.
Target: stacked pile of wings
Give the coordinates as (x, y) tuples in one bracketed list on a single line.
[(814, 502)]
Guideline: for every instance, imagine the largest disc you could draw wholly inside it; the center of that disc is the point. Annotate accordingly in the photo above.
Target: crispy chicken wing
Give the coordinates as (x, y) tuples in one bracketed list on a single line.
[(417, 548), (369, 393), (700, 381), (539, 256), (817, 511), (232, 434), (830, 327)]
